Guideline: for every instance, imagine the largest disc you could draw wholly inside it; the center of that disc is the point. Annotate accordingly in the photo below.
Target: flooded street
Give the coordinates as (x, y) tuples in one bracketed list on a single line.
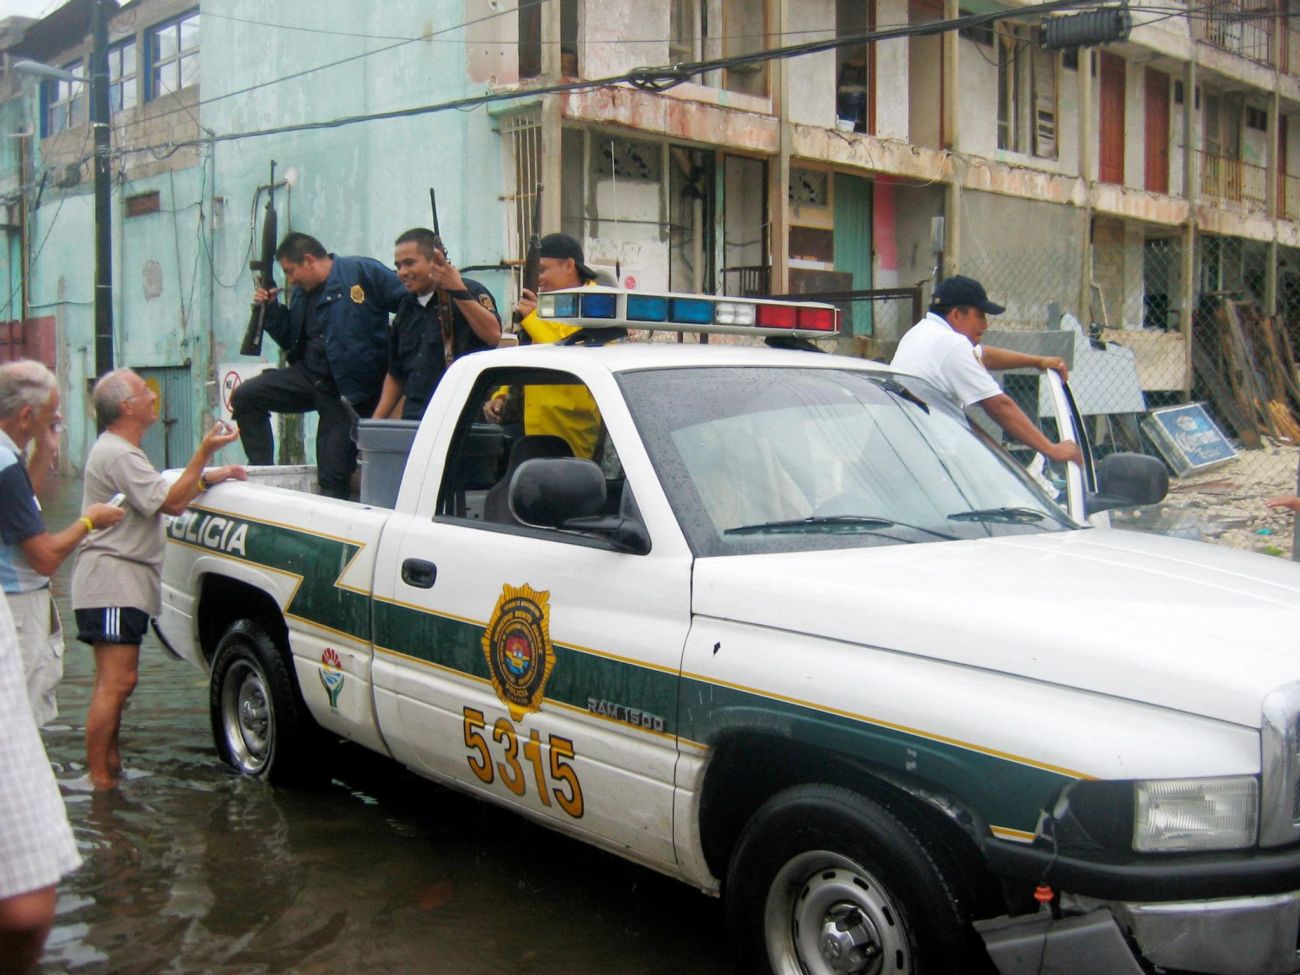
[(190, 868)]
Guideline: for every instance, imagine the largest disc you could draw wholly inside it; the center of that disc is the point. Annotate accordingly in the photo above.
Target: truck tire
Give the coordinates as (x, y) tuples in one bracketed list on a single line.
[(259, 723), (824, 880)]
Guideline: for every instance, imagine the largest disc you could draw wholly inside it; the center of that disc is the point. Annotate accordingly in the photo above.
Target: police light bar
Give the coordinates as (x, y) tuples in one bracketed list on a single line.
[(598, 307)]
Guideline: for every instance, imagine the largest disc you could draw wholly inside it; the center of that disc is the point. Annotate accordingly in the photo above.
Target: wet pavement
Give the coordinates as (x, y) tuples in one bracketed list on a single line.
[(190, 868)]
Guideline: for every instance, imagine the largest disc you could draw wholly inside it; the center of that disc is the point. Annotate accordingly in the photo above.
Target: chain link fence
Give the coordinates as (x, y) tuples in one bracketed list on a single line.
[(1202, 377)]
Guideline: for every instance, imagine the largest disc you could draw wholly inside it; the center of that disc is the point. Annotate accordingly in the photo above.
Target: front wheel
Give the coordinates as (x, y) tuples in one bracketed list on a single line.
[(259, 723), (824, 881)]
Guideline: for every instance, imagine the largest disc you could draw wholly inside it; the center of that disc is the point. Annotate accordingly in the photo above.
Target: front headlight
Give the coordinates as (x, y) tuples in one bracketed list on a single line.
[(1180, 815), (1280, 765)]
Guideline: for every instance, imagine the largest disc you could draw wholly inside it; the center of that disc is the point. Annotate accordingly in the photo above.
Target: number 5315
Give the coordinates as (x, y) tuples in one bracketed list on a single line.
[(562, 781)]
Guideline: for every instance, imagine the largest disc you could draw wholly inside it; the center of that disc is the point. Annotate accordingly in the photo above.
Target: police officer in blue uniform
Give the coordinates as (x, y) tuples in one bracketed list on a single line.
[(335, 332), (442, 318)]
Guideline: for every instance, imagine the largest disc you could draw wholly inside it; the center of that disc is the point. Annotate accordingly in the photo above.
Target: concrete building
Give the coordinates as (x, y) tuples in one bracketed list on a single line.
[(1120, 184)]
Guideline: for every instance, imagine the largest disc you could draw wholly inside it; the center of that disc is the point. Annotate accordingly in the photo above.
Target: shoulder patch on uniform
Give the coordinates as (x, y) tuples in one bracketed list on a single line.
[(485, 300), (357, 294)]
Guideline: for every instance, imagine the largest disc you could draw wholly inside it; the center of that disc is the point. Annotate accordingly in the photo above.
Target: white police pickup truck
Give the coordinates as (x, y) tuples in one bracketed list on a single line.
[(784, 626)]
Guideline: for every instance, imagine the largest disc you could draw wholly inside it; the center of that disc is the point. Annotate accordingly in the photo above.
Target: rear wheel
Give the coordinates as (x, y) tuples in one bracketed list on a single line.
[(259, 723), (825, 881)]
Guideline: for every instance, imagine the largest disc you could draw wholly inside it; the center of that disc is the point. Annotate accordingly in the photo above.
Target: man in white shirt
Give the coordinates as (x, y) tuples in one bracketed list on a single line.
[(944, 349)]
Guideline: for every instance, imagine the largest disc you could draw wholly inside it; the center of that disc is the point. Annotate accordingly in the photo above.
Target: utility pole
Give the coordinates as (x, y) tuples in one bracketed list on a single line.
[(99, 119)]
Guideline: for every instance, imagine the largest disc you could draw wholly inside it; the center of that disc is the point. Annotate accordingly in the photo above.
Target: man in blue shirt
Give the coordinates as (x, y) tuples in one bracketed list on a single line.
[(29, 411), (335, 334), (442, 318)]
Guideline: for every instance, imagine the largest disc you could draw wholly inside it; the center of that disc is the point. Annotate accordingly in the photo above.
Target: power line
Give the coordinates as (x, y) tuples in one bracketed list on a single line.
[(356, 57), (655, 78)]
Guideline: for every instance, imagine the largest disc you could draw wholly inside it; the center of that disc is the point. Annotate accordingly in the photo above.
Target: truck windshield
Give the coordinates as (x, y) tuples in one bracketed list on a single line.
[(787, 459)]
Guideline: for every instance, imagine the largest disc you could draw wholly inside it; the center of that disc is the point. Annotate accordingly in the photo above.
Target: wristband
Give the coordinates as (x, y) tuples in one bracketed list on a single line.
[(203, 482), (90, 525), (464, 294)]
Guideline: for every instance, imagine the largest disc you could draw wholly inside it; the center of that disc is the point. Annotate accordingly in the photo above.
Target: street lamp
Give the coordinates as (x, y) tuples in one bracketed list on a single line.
[(98, 82), (38, 70)]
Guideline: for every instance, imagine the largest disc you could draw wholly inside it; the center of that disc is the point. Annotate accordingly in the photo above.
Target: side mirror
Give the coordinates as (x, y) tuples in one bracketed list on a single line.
[(569, 494), (1125, 480), (547, 491)]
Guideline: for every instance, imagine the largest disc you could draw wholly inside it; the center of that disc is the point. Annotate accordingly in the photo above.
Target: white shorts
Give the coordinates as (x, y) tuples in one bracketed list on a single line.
[(40, 640), (36, 844)]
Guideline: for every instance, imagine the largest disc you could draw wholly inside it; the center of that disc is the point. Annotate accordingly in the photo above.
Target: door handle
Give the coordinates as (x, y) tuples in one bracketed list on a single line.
[(419, 573)]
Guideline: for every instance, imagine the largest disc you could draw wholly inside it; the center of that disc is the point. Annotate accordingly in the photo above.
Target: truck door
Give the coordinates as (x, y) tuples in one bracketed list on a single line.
[(537, 667), (1047, 401)]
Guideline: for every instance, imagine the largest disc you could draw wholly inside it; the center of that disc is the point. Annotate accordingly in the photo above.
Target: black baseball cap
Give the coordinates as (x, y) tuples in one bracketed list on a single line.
[(561, 247), (959, 292)]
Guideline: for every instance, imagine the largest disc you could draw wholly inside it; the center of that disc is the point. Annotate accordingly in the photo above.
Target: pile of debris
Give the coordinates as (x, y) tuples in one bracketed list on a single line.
[(1245, 364), (1226, 505)]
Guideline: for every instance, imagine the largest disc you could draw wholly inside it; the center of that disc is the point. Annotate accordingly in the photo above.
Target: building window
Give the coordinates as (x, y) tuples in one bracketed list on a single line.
[(63, 103), (173, 55), (122, 89), (701, 30), (1027, 87), (686, 19)]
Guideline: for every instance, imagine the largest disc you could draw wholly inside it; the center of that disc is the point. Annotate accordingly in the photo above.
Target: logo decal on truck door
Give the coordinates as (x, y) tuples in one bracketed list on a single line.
[(517, 645), (331, 675)]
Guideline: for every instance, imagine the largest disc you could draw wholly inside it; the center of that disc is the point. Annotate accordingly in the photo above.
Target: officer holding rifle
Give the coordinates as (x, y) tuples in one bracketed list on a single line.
[(335, 334)]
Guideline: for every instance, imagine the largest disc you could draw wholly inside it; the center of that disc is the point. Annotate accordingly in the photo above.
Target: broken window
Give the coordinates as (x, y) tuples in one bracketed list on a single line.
[(854, 101), (687, 30), (1027, 86), (701, 30), (744, 29)]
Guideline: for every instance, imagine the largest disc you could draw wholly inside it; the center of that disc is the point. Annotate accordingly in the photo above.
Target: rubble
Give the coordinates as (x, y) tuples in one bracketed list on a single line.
[(1226, 505)]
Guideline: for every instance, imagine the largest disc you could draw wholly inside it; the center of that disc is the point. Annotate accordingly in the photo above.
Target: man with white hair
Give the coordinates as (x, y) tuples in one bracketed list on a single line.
[(117, 583), (29, 554)]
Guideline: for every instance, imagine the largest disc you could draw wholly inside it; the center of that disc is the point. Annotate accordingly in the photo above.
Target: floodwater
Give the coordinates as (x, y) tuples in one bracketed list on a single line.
[(190, 868)]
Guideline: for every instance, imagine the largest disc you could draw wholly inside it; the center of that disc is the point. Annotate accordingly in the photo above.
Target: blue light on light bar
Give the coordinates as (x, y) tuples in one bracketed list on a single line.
[(600, 305), (646, 308), (557, 306), (690, 311)]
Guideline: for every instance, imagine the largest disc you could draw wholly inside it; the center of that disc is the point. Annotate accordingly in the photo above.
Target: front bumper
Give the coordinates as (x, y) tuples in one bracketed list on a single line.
[(1233, 913), (1235, 936)]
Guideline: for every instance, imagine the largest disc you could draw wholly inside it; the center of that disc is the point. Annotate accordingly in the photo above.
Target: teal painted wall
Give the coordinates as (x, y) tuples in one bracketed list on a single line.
[(182, 286)]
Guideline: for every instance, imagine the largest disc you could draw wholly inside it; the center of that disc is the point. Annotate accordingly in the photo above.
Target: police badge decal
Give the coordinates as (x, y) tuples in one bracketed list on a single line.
[(517, 645)]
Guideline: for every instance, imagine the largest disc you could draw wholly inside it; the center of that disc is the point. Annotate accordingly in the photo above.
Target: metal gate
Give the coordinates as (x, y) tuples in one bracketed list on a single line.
[(170, 442)]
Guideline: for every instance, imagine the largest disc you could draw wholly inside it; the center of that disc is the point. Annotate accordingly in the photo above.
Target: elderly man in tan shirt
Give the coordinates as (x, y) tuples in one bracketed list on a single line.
[(117, 583)]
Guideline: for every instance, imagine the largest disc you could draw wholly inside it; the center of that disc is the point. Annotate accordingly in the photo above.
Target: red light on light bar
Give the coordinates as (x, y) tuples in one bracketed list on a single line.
[(818, 319), (777, 316)]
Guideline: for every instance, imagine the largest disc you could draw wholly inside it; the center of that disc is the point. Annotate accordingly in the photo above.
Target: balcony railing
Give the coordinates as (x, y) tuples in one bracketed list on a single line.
[(748, 281), (1238, 26), (1289, 51), (1289, 205), (1231, 181)]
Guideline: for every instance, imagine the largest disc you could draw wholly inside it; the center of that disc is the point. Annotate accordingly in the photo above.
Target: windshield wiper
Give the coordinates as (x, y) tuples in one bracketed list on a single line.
[(832, 523), (1010, 516)]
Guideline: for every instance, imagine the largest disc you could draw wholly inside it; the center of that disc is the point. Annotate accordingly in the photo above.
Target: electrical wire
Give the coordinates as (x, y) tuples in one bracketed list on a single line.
[(356, 57), (657, 78)]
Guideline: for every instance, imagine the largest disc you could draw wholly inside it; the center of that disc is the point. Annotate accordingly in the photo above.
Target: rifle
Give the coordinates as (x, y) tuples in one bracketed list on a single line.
[(263, 272), (532, 259), (437, 232), (445, 321)]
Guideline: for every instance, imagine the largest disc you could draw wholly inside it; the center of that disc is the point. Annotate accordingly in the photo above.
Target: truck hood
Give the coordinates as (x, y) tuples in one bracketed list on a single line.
[(1179, 624)]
